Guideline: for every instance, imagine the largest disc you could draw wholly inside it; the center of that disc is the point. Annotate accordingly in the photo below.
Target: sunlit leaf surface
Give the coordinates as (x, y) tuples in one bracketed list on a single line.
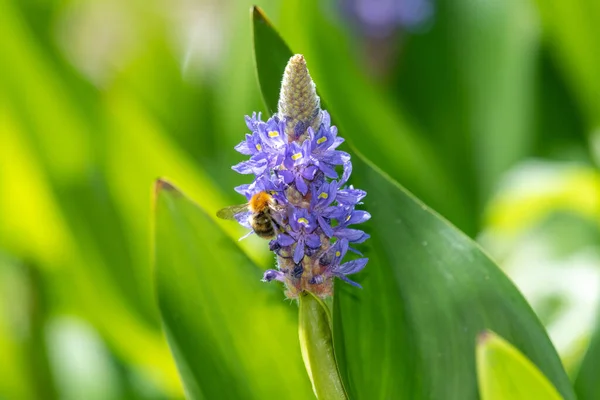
[(504, 373)]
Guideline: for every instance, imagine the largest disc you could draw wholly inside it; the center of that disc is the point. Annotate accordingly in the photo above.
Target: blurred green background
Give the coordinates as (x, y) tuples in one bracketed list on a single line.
[(488, 110)]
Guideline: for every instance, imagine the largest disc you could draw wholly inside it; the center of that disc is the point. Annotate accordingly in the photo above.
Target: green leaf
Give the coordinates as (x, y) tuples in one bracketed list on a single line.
[(271, 55), (574, 27), (504, 373), (316, 342), (231, 335), (587, 384), (428, 291)]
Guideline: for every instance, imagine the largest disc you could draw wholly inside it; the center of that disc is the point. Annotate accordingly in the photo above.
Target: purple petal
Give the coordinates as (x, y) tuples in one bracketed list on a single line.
[(313, 240), (288, 176), (299, 251), (299, 128), (342, 247), (346, 173), (285, 239), (309, 172), (251, 166), (350, 196), (243, 219), (352, 267), (334, 212), (335, 157), (358, 217), (243, 190), (244, 147), (342, 277), (273, 275), (326, 119), (301, 185), (352, 249), (327, 170), (337, 141), (327, 229), (331, 193), (352, 235)]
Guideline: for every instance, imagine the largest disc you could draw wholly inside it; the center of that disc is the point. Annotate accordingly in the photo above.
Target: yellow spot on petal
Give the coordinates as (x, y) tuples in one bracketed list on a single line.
[(258, 147), (348, 217), (273, 134), (337, 254), (321, 140), (323, 195), (296, 156), (303, 221)]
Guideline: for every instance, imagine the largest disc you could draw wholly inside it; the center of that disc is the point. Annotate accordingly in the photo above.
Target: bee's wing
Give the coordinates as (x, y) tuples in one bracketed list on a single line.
[(231, 211)]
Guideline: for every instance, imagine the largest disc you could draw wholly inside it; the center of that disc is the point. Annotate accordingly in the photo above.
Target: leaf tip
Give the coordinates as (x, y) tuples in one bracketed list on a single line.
[(162, 184), (258, 13), (484, 337)]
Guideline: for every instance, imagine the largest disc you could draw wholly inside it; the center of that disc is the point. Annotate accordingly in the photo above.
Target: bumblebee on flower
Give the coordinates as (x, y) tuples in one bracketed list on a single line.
[(307, 210)]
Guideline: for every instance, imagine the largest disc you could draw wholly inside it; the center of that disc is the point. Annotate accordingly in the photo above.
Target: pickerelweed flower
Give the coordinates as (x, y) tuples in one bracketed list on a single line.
[(294, 158)]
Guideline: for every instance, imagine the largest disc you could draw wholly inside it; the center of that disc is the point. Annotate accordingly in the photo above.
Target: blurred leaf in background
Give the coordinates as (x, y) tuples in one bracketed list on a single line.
[(100, 98), (505, 373)]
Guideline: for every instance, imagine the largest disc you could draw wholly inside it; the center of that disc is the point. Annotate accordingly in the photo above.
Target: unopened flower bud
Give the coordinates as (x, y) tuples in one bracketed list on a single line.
[(299, 105)]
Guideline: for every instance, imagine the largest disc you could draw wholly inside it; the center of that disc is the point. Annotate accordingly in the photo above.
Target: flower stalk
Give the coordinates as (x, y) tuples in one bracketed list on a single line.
[(316, 343)]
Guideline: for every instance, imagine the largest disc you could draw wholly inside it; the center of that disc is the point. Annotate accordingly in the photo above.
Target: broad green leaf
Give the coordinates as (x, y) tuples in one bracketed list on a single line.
[(428, 291), (316, 341), (231, 335), (587, 384), (271, 55), (367, 118), (504, 373)]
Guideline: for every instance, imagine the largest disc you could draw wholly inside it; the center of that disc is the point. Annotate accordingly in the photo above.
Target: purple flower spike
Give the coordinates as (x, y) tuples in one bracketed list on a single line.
[(294, 158)]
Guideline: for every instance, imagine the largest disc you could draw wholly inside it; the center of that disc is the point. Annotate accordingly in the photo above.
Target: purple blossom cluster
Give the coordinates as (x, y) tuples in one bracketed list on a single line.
[(381, 18), (313, 205)]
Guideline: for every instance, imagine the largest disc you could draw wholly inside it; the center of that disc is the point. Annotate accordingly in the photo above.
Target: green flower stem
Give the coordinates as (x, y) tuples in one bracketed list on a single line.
[(316, 342)]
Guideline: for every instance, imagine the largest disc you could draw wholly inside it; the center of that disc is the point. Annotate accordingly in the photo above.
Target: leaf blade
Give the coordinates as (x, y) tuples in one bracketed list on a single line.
[(271, 55), (213, 308), (428, 291), (504, 373)]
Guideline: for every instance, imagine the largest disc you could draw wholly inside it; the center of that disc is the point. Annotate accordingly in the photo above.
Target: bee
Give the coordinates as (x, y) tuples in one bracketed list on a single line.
[(261, 220)]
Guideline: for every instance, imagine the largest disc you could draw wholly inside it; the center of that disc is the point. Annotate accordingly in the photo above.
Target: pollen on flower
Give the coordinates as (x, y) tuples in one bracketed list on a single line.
[(298, 191)]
